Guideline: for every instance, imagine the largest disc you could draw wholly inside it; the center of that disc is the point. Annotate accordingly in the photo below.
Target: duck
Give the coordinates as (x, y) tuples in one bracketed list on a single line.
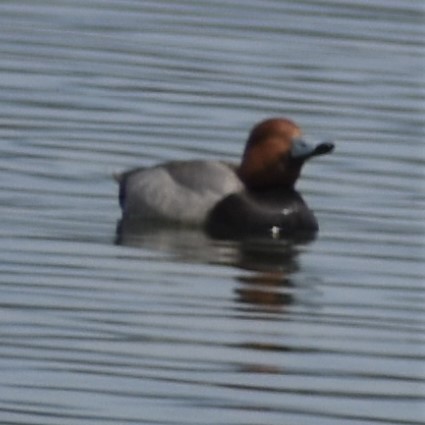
[(255, 197)]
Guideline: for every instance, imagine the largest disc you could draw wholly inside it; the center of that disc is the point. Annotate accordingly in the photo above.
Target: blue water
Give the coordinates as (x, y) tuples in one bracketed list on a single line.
[(169, 326)]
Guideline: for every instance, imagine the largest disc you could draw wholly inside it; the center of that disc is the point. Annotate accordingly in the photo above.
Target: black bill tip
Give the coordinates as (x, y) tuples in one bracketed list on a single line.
[(323, 148), (301, 150)]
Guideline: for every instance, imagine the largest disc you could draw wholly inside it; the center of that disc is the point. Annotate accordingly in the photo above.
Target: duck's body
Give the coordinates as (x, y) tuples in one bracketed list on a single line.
[(256, 196), (177, 191)]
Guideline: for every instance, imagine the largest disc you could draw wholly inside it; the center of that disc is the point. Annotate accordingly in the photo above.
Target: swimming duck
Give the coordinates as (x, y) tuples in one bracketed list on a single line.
[(255, 197)]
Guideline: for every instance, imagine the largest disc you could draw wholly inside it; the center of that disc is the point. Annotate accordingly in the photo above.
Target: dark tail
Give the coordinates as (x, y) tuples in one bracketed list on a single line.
[(120, 178)]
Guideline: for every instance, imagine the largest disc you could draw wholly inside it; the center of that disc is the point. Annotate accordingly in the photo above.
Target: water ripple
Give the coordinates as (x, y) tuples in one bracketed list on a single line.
[(166, 326)]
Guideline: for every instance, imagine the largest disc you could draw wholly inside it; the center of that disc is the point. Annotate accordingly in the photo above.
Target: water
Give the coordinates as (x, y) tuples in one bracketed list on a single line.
[(170, 327)]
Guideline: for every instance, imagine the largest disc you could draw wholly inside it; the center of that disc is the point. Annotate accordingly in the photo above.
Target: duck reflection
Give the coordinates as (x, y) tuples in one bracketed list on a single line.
[(268, 290), (272, 261)]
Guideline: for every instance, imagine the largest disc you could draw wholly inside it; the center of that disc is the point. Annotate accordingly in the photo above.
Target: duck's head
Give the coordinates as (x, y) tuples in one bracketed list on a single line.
[(275, 153)]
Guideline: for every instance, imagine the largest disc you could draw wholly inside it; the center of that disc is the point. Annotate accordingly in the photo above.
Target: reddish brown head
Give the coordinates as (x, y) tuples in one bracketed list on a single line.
[(275, 153)]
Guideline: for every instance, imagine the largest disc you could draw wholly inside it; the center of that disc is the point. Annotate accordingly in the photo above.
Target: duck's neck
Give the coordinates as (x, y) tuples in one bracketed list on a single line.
[(269, 179)]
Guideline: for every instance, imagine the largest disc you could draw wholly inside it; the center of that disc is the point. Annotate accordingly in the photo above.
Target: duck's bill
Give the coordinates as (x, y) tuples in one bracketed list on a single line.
[(302, 150)]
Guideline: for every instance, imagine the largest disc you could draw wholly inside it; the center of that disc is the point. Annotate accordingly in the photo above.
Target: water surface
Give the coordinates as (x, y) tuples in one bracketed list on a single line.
[(169, 326)]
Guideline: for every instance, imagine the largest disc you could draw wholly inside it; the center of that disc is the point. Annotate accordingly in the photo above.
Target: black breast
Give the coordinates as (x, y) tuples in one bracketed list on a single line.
[(275, 213)]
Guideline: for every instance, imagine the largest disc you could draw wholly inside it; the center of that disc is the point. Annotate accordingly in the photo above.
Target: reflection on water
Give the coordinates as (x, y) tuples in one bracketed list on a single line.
[(169, 326), (272, 261)]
